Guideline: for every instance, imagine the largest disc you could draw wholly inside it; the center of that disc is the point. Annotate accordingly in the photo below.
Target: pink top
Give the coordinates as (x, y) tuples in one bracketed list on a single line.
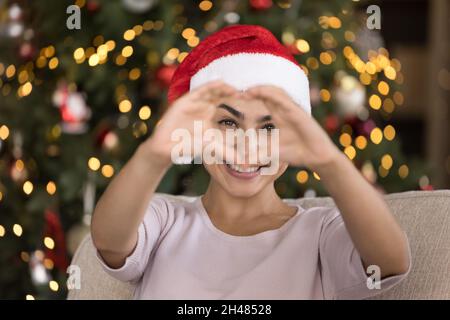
[(180, 254)]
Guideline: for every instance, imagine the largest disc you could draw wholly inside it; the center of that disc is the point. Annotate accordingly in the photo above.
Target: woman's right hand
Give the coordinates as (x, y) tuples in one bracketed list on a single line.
[(197, 105)]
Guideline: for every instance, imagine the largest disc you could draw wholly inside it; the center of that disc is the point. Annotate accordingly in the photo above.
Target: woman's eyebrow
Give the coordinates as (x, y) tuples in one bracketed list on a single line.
[(231, 110), (265, 118)]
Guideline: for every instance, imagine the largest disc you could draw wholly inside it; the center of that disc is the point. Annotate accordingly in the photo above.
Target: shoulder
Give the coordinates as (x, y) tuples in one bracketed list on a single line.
[(323, 213), (166, 206), (171, 202)]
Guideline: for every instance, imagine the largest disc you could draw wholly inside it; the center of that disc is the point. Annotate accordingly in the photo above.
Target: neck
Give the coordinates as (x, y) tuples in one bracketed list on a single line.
[(217, 201)]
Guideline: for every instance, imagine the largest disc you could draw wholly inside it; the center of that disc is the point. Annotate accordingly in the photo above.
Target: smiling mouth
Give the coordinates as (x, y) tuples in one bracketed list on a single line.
[(244, 172)]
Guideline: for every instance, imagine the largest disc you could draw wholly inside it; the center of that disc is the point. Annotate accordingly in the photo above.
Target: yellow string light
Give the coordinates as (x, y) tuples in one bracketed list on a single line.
[(4, 132), (205, 5), (28, 187), (365, 78), (325, 95), (120, 60), (389, 132), (107, 171), (382, 172), (53, 63), (158, 25), (390, 73), (147, 25), (383, 88), (302, 176), (172, 53), (48, 264), (54, 286), (125, 106), (193, 41), (25, 256), (388, 105), (51, 188), (94, 60), (350, 151), (138, 30), (102, 51), (375, 102), (41, 62), (129, 35), (23, 76), (403, 171), (134, 74), (376, 135), (127, 51), (312, 63), (334, 22), (145, 113), (398, 98), (188, 33), (361, 142), (349, 36), (49, 243), (371, 68), (345, 139), (10, 71), (49, 51), (17, 229), (182, 56), (302, 45), (387, 161), (326, 58), (111, 45), (94, 164)]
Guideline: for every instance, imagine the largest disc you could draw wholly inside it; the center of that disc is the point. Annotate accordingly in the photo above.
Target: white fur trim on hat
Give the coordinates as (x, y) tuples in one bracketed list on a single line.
[(245, 70)]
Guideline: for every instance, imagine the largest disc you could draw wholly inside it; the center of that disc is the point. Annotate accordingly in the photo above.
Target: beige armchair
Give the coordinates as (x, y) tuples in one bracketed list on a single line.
[(424, 215)]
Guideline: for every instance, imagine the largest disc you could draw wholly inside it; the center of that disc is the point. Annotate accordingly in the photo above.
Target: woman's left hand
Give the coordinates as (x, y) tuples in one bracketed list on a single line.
[(303, 142), (374, 231)]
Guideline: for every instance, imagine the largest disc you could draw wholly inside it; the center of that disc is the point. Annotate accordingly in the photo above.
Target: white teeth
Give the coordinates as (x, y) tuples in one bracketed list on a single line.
[(242, 169)]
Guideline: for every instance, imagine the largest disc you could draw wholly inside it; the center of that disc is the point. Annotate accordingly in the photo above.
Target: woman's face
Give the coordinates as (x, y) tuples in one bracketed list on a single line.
[(247, 178)]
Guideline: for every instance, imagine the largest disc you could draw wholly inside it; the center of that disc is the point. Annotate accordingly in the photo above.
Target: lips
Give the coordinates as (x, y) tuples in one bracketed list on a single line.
[(243, 172)]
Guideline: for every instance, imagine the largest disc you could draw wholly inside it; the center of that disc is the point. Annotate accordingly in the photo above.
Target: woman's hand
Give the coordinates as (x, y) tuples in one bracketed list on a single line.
[(372, 227), (303, 142), (197, 105)]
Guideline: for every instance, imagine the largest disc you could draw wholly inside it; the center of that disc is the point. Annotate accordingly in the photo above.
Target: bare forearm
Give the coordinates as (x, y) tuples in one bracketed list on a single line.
[(121, 208), (369, 221)]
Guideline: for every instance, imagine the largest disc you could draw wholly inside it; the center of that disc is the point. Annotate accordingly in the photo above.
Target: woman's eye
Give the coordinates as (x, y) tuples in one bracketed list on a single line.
[(268, 127), (228, 123)]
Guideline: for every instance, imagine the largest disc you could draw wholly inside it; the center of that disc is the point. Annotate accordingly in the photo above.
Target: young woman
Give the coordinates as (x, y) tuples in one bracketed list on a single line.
[(240, 240)]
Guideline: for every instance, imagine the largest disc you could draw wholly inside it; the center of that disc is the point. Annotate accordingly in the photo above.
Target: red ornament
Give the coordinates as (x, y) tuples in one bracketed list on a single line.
[(93, 6), (365, 128), (100, 138), (261, 4), (73, 108), (331, 123), (54, 230), (351, 120), (164, 75), (27, 51)]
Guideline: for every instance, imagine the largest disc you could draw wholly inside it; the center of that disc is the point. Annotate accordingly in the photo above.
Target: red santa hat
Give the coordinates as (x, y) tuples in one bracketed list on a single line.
[(242, 56)]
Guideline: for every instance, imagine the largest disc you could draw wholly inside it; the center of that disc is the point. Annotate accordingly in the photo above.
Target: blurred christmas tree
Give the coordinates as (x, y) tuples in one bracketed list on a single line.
[(76, 103)]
